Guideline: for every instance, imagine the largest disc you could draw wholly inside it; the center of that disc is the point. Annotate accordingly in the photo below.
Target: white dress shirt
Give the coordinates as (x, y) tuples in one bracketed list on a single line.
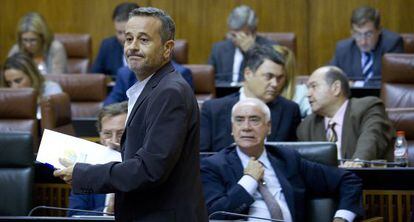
[(238, 59), (338, 119), (259, 208), (133, 93)]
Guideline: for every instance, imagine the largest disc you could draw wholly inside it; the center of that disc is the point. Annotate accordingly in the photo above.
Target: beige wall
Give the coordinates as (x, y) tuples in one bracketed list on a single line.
[(318, 24)]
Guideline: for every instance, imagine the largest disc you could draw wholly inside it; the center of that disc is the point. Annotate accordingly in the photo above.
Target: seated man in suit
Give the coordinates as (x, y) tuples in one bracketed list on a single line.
[(125, 78), (360, 56), (227, 57), (359, 126), (264, 79), (111, 53), (270, 182), (110, 124)]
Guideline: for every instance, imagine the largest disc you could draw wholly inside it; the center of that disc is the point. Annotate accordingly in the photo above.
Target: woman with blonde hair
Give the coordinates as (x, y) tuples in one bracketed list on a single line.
[(35, 39), (291, 90), (19, 71)]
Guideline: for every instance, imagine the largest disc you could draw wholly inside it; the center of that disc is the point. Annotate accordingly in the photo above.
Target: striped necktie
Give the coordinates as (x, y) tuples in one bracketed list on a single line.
[(368, 65), (332, 136)]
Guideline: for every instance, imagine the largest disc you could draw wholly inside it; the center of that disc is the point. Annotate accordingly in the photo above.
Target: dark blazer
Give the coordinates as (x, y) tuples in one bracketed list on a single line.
[(366, 133), (216, 121), (159, 177), (348, 56), (298, 178), (94, 202), (222, 57), (109, 58), (125, 78)]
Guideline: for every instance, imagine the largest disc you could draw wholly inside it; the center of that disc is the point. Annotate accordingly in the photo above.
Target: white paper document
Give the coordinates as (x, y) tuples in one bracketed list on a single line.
[(56, 145)]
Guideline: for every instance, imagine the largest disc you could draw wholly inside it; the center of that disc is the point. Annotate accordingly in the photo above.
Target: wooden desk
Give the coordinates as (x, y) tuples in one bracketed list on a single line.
[(225, 88), (388, 192)]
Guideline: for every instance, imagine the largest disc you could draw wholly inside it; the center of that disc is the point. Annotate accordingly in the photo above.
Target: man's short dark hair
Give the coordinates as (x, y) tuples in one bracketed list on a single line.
[(110, 111), (333, 74), (167, 31), (365, 14), (256, 56), (121, 12)]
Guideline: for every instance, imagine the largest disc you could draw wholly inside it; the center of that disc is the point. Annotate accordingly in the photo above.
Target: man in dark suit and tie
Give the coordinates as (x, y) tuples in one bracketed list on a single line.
[(264, 79), (359, 126), (227, 57), (159, 177), (360, 56), (270, 182), (111, 52)]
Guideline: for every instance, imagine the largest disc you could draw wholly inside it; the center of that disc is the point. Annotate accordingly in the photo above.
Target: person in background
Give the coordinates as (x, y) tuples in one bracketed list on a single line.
[(227, 57), (359, 126), (35, 39), (360, 56), (125, 78), (291, 90), (264, 78), (19, 71), (111, 53), (266, 181), (110, 124)]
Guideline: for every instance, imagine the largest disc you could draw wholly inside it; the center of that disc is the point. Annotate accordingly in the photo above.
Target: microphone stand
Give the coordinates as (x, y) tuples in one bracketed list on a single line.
[(67, 209), (241, 215)]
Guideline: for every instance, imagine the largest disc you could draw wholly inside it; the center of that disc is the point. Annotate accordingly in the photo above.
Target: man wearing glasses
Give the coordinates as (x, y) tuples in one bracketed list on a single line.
[(110, 124), (360, 56)]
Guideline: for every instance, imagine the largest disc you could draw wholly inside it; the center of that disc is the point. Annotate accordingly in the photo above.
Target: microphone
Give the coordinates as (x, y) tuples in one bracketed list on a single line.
[(369, 162), (67, 209), (241, 215)]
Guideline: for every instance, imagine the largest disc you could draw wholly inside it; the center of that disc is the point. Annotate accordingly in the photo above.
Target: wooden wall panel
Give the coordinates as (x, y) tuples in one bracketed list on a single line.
[(285, 16), (318, 24)]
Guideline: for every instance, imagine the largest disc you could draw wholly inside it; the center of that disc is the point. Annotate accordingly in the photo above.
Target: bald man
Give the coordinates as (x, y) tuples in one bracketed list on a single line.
[(360, 127)]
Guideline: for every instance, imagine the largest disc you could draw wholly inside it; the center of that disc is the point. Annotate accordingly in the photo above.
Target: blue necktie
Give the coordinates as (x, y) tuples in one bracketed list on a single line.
[(367, 67)]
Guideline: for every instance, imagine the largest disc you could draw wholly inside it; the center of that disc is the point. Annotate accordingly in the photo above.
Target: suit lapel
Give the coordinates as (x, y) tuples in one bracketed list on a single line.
[(235, 163), (276, 113), (229, 106), (228, 52), (151, 84), (283, 174), (318, 130), (356, 66), (346, 133)]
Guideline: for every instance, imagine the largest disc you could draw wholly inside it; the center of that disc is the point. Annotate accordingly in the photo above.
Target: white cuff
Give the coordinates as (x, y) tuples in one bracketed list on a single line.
[(249, 184), (346, 214)]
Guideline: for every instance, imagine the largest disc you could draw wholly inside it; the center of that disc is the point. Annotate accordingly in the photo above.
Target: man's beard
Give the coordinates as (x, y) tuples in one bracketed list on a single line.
[(148, 67)]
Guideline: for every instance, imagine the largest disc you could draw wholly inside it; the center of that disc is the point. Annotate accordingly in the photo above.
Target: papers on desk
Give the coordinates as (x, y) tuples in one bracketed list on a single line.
[(358, 84), (56, 145)]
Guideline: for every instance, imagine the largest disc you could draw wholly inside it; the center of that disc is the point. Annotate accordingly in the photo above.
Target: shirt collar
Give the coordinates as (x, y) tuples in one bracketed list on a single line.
[(262, 159), (137, 86), (338, 117), (242, 94)]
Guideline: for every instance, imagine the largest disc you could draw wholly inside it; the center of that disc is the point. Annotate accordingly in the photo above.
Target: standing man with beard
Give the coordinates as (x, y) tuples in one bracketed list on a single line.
[(159, 177)]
